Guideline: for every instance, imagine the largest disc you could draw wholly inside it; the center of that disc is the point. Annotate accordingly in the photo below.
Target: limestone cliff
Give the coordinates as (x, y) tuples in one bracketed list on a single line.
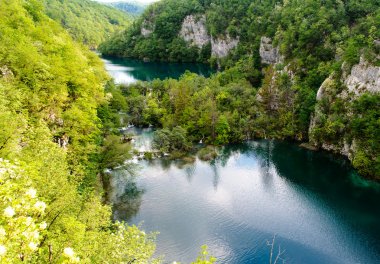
[(221, 46), (360, 79), (268, 53), (364, 77), (147, 28), (6, 73), (194, 31)]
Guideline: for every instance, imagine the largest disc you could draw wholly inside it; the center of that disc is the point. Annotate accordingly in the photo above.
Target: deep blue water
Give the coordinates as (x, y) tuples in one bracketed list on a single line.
[(316, 206)]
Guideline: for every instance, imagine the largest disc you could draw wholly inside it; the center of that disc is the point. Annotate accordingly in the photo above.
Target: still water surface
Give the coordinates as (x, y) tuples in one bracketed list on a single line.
[(128, 71), (317, 207)]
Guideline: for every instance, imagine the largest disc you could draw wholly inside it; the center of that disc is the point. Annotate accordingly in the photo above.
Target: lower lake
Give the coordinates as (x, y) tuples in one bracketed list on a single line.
[(313, 206)]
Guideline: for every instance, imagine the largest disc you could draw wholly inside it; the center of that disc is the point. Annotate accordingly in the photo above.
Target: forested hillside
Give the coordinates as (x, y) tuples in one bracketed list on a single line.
[(297, 70), (87, 21), (321, 28), (130, 7), (50, 89)]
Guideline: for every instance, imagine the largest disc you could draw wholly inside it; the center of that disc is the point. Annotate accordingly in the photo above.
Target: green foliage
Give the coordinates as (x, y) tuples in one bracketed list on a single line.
[(114, 152), (165, 19), (88, 22), (313, 37), (312, 31), (222, 130), (204, 257), (208, 153), (132, 7), (249, 99), (338, 121), (169, 141), (50, 89), (222, 109), (21, 223), (365, 127)]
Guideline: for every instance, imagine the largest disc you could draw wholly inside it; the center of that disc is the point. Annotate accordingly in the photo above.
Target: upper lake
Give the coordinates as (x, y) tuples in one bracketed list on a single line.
[(128, 71)]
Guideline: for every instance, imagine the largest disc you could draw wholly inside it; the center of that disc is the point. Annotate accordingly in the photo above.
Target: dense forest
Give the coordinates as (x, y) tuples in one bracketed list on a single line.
[(314, 29), (288, 51), (87, 22), (54, 148)]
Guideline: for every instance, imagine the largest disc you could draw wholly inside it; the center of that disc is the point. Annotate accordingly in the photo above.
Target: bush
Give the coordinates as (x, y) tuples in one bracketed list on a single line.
[(208, 153), (174, 140)]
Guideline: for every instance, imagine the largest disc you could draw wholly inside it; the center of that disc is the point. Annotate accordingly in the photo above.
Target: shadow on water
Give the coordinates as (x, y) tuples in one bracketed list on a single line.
[(125, 196)]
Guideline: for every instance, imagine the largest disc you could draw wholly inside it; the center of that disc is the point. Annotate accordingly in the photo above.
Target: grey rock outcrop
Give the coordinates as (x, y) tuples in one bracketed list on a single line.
[(63, 141), (194, 31), (343, 148), (220, 47), (364, 77), (147, 28), (361, 78), (324, 88), (268, 53), (6, 73)]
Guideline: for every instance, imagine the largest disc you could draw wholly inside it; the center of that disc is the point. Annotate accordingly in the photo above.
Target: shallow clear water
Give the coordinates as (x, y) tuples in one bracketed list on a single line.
[(127, 71), (317, 207)]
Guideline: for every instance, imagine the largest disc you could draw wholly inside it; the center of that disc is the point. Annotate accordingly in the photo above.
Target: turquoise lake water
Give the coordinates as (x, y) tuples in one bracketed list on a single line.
[(317, 208), (128, 71)]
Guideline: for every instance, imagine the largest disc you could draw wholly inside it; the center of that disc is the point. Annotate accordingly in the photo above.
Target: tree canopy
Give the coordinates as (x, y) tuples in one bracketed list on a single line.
[(50, 89), (87, 22)]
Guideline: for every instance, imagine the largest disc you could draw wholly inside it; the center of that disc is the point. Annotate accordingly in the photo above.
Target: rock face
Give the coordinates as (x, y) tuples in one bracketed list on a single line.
[(220, 47), (147, 28), (194, 31), (324, 88), (363, 78), (6, 73), (268, 53)]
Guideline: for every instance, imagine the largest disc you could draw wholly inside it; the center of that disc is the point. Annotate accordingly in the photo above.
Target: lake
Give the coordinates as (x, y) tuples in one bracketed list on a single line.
[(128, 71), (315, 206)]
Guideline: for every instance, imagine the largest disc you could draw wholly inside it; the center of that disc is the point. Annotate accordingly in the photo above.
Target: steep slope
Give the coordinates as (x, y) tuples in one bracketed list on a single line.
[(50, 89), (88, 22), (167, 29), (155, 35), (347, 114)]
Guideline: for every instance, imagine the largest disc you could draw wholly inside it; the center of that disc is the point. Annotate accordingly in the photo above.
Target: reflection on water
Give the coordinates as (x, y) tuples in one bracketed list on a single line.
[(125, 195), (313, 202), (128, 71)]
